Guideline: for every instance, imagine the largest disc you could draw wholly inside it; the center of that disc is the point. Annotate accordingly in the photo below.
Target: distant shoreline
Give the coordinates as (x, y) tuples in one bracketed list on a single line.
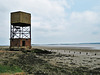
[(85, 46), (91, 46)]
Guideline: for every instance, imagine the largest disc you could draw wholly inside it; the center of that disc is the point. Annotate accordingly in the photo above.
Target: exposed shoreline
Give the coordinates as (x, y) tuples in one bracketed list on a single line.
[(67, 48), (78, 56)]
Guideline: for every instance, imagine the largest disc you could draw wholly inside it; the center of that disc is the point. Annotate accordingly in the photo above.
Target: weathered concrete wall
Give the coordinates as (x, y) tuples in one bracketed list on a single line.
[(20, 17)]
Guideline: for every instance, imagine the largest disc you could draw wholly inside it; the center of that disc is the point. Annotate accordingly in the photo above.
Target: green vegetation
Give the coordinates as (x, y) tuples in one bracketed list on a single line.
[(9, 69)]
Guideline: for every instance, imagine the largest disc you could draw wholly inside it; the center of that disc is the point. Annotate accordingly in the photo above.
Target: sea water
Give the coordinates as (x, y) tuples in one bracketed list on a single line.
[(93, 46)]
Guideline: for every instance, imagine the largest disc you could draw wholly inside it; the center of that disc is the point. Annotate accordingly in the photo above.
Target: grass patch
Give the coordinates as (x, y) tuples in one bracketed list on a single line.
[(9, 69)]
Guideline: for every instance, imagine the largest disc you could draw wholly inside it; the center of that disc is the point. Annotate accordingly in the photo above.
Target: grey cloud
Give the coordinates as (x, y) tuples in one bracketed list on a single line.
[(51, 21)]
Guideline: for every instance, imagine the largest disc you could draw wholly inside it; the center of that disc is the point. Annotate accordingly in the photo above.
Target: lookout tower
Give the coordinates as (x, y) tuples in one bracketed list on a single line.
[(20, 30)]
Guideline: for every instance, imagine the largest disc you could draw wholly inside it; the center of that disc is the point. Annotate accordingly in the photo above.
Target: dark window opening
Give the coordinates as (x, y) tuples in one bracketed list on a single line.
[(23, 43)]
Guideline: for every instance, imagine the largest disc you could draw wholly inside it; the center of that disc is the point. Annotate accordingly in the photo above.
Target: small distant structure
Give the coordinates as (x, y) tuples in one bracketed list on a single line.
[(20, 30)]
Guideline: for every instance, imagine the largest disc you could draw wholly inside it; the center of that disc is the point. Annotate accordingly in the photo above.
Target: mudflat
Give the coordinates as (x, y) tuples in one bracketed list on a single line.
[(73, 56)]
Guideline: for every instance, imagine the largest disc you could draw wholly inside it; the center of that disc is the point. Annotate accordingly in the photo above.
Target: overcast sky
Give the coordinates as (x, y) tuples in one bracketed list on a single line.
[(55, 21)]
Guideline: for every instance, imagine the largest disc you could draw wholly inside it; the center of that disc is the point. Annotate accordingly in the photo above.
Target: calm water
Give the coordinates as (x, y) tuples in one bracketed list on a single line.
[(94, 46)]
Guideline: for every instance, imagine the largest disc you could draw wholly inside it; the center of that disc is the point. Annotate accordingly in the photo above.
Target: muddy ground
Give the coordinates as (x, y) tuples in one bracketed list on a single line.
[(34, 63)]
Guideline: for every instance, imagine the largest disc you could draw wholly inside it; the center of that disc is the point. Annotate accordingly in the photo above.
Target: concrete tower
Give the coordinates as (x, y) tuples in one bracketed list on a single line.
[(20, 30)]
